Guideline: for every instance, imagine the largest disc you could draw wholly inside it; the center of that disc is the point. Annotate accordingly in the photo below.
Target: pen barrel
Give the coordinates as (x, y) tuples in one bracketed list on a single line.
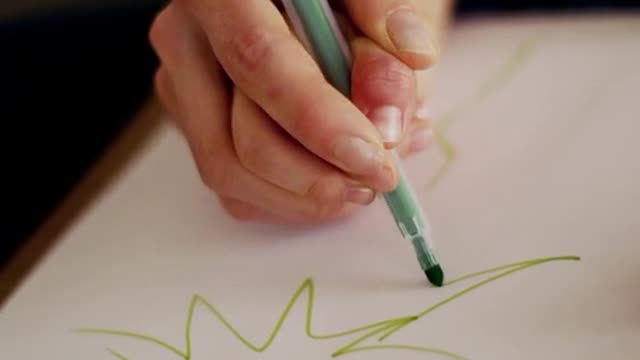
[(318, 28), (404, 211)]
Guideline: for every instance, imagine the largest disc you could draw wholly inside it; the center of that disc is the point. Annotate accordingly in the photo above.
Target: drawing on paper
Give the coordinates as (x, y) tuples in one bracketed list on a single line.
[(374, 336), (379, 330)]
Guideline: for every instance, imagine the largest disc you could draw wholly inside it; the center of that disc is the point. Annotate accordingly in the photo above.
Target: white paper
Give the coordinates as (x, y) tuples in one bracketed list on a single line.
[(547, 164)]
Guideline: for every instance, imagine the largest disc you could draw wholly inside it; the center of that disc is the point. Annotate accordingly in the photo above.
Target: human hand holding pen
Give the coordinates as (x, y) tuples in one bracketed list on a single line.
[(268, 134)]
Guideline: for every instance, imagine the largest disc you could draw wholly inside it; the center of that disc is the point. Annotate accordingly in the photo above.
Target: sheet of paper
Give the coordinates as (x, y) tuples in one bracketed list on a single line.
[(543, 117)]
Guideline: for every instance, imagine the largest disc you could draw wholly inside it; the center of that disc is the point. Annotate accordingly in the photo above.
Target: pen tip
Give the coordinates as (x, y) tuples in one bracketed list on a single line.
[(435, 275)]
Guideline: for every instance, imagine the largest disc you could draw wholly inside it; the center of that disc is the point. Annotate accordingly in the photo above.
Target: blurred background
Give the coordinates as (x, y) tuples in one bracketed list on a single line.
[(73, 74)]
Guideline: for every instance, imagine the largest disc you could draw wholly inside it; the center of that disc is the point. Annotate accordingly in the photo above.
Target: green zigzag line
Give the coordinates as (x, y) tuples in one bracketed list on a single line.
[(382, 329)]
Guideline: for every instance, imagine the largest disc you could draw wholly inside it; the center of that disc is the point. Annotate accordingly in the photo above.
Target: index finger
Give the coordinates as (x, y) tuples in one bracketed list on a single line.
[(261, 55)]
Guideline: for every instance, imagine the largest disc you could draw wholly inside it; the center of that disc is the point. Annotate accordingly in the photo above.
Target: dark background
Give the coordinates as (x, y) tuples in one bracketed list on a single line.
[(72, 76)]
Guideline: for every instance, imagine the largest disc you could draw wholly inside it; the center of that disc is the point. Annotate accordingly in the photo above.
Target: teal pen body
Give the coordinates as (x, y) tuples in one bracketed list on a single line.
[(314, 24)]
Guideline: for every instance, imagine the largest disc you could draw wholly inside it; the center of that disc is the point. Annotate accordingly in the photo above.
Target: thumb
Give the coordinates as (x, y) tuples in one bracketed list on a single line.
[(384, 89), (409, 29)]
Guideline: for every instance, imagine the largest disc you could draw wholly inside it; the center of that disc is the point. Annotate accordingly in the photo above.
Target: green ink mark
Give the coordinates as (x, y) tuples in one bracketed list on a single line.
[(382, 329), (441, 352), (117, 354), (507, 266), (509, 269), (493, 83)]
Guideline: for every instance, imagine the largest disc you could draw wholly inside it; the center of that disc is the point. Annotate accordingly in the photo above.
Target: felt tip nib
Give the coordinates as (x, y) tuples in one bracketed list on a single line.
[(435, 275)]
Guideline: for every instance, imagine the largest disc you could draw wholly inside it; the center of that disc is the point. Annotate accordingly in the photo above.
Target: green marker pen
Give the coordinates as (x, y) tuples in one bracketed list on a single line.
[(316, 26)]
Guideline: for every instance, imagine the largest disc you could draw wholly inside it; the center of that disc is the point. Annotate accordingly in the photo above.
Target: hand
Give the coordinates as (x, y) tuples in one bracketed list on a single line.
[(268, 134)]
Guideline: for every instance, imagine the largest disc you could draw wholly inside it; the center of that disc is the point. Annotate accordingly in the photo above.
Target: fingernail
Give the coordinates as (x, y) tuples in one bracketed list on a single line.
[(359, 156), (420, 140), (424, 112), (388, 120), (359, 195), (409, 32)]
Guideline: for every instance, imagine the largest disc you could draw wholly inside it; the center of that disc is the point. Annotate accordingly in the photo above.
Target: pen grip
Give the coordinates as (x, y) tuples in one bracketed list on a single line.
[(316, 27), (406, 212)]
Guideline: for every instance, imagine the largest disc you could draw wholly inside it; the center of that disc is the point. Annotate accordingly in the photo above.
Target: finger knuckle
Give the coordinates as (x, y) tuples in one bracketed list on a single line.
[(251, 154), (216, 173), (328, 211), (379, 77), (161, 29), (326, 195), (391, 75), (307, 124), (253, 49)]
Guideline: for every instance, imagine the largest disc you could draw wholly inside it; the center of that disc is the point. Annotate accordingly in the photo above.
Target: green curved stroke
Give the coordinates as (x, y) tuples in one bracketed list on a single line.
[(380, 329)]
